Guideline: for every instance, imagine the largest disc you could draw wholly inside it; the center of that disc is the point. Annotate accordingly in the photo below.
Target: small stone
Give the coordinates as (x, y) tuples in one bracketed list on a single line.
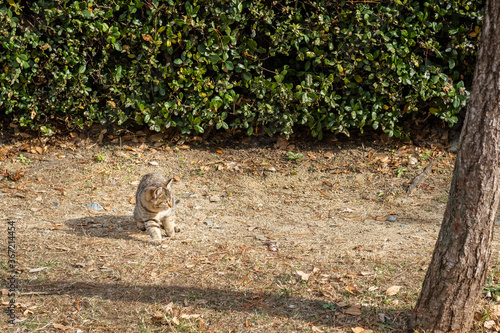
[(208, 222), (391, 218), (154, 163), (214, 198), (272, 247), (57, 204), (94, 206), (261, 238), (403, 225)]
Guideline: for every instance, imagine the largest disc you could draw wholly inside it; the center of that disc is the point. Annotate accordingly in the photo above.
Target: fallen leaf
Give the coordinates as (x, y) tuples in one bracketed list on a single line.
[(175, 321), (489, 324), (157, 316), (342, 304), (183, 147), (247, 324), (218, 151), (360, 330), (495, 312), (177, 179), (354, 310), (351, 289), (304, 276), (316, 329), (61, 327), (35, 270), (328, 155), (391, 291), (190, 316)]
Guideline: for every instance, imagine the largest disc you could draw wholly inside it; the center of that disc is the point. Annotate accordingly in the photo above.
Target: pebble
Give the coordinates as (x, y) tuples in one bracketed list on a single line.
[(94, 206), (208, 222), (57, 204), (391, 218), (214, 198), (153, 163)]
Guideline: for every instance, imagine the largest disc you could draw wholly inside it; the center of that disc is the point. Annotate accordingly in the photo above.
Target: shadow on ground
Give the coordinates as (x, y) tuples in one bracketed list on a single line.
[(104, 226), (311, 312)]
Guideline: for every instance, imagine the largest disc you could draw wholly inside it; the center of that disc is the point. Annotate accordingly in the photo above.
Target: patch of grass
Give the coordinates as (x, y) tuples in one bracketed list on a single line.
[(99, 158), (295, 157), (24, 160)]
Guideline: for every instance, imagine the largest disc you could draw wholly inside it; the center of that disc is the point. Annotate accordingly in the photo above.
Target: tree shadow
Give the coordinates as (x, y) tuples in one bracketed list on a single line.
[(311, 311)]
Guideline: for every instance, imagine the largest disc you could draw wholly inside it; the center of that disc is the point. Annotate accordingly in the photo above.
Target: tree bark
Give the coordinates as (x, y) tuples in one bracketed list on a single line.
[(459, 265)]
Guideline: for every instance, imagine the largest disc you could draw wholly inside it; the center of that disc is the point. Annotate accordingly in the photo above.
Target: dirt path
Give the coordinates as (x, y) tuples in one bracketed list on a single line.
[(323, 239)]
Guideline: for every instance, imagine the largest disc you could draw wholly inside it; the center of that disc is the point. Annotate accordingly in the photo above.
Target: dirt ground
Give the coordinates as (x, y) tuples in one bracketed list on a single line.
[(277, 235)]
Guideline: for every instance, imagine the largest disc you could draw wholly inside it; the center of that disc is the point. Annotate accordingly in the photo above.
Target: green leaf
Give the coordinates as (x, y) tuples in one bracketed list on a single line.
[(229, 65), (214, 58)]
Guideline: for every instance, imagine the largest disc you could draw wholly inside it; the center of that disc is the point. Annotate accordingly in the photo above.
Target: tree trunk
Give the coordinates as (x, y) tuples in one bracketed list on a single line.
[(459, 265)]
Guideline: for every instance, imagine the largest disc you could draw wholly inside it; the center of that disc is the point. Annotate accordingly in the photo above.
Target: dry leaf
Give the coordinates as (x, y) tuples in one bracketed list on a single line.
[(190, 316), (354, 310), (304, 276), (147, 37), (328, 155), (218, 151), (342, 304), (489, 324), (351, 289), (391, 291), (157, 316), (495, 312), (247, 324), (316, 329), (183, 147), (176, 321), (360, 330), (61, 327)]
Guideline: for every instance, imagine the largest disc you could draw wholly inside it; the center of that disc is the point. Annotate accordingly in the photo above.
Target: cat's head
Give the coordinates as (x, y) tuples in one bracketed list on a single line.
[(161, 197)]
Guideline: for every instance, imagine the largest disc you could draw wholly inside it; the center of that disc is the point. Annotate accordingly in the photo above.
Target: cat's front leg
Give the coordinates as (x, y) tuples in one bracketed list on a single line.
[(153, 230), (169, 225)]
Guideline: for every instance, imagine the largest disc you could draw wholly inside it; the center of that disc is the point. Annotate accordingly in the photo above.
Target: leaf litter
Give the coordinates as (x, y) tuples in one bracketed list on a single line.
[(311, 233)]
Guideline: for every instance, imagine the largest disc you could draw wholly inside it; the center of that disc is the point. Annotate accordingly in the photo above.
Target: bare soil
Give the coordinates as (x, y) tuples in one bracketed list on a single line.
[(323, 239)]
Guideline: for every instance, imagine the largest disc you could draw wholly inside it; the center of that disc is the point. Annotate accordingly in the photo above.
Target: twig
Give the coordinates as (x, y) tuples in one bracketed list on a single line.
[(326, 195), (203, 278)]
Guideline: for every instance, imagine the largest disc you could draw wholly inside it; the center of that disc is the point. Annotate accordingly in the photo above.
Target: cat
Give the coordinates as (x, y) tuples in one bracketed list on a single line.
[(155, 206)]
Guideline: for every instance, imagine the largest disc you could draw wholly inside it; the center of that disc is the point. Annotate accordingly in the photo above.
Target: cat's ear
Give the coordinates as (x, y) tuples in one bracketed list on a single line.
[(168, 184), (153, 192), (158, 192)]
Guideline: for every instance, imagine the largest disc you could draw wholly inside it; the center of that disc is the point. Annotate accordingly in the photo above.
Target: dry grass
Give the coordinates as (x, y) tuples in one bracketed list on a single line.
[(291, 246)]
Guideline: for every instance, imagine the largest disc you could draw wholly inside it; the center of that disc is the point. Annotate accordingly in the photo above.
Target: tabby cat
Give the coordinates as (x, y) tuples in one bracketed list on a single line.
[(155, 206)]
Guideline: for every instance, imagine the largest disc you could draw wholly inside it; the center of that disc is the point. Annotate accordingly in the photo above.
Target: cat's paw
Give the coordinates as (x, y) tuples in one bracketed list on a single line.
[(155, 234), (141, 226)]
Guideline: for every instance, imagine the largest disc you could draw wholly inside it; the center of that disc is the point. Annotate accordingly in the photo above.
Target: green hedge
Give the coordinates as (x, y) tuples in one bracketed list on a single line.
[(231, 64)]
